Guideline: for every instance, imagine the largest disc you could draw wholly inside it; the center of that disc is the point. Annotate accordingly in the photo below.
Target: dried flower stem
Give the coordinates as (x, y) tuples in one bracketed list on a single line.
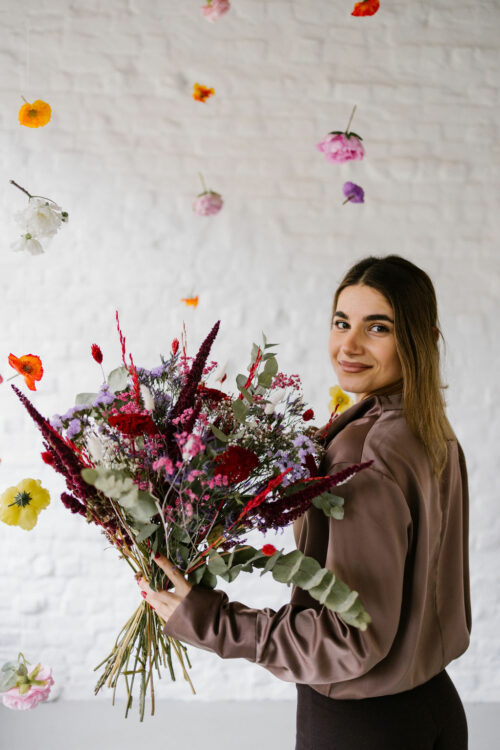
[(350, 120)]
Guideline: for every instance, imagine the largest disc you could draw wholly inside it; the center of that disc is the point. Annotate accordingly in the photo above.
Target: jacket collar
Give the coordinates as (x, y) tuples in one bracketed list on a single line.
[(373, 405)]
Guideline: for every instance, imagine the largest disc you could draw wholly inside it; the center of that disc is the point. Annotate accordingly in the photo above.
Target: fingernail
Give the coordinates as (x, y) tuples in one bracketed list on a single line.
[(143, 594), (157, 555)]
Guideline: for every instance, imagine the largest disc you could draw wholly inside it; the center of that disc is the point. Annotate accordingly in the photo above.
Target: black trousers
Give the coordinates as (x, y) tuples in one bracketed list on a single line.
[(428, 717)]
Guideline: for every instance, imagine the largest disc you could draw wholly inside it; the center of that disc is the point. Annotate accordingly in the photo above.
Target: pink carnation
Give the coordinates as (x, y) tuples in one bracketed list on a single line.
[(215, 9), (208, 204), (36, 694), (339, 148)]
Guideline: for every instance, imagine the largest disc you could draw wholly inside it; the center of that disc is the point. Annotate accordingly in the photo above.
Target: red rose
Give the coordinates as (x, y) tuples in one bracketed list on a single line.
[(133, 424), (236, 463), (268, 549)]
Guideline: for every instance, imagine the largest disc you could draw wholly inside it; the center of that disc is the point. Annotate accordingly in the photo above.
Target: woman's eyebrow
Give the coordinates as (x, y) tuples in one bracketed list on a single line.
[(380, 316)]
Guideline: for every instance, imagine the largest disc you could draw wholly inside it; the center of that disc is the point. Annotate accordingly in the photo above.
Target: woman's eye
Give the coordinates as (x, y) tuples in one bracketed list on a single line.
[(383, 329), (379, 325)]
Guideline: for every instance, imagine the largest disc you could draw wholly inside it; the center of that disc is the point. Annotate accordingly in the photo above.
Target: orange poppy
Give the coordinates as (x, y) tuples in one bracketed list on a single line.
[(201, 93), (29, 366), (35, 115), (366, 8), (190, 300)]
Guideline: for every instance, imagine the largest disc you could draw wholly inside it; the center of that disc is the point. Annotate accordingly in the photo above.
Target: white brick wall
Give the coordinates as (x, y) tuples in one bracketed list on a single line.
[(122, 153)]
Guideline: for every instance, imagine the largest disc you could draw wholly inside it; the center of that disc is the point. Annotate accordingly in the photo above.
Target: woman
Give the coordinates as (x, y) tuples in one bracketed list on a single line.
[(402, 545)]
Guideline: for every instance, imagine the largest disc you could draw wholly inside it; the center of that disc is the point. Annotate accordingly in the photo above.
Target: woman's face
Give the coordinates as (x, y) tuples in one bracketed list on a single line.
[(363, 334)]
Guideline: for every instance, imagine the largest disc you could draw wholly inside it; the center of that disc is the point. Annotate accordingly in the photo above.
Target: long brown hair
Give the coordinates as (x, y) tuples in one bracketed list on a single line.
[(411, 293)]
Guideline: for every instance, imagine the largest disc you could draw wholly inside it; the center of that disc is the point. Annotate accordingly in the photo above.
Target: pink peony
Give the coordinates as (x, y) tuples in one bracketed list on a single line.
[(214, 9), (208, 203), (36, 694), (339, 148)]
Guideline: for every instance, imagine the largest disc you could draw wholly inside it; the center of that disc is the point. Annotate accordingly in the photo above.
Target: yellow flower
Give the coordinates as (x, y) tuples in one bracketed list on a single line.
[(20, 505), (35, 115), (340, 398)]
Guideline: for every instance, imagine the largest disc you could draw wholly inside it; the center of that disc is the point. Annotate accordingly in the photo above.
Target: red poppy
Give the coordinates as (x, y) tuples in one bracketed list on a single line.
[(97, 353), (29, 366), (236, 463), (133, 424), (268, 549), (307, 415), (366, 8)]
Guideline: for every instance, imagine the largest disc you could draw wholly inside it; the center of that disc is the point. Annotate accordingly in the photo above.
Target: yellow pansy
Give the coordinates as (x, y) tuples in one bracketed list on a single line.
[(20, 505), (340, 398)]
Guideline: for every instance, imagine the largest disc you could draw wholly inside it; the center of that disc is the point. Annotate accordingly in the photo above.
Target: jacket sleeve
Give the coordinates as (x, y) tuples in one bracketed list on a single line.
[(311, 644)]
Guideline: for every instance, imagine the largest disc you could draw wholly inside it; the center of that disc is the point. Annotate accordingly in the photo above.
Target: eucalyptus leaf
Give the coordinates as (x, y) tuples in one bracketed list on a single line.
[(330, 504), (85, 399), (265, 379), (241, 380), (117, 485), (271, 366), (246, 395), (219, 434), (146, 531), (240, 410), (118, 379)]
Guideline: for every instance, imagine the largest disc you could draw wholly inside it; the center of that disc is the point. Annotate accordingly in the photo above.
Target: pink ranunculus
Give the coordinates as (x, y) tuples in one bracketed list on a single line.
[(36, 694), (215, 9), (208, 204), (338, 148)]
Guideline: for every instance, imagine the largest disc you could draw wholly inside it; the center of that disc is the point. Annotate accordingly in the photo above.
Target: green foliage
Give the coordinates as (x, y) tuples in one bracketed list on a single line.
[(240, 410), (84, 399), (290, 568), (117, 485), (331, 505), (219, 434), (118, 379)]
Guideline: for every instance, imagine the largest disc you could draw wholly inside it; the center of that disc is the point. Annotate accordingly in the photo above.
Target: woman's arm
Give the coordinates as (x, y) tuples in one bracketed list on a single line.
[(367, 550)]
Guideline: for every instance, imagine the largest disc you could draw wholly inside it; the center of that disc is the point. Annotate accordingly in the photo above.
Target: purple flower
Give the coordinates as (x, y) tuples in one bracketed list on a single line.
[(353, 193), (56, 422), (74, 428), (104, 396)]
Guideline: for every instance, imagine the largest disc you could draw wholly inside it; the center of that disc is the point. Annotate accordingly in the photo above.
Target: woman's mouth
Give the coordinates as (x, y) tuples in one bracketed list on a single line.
[(353, 367)]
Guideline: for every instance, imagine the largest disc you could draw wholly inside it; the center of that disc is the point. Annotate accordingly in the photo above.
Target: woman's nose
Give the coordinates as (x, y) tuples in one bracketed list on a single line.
[(352, 341)]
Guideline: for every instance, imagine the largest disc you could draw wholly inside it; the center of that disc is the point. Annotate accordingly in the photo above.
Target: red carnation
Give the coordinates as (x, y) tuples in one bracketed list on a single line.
[(307, 415), (133, 424), (268, 549), (175, 346), (47, 458), (96, 353), (236, 463)]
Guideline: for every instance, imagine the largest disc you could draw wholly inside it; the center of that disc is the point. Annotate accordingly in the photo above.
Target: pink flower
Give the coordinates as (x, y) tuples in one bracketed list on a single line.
[(36, 694), (214, 9), (207, 204), (339, 148), (164, 463)]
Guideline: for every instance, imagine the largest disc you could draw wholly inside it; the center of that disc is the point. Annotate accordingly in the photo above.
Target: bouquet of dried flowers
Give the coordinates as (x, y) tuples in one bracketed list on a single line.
[(164, 463)]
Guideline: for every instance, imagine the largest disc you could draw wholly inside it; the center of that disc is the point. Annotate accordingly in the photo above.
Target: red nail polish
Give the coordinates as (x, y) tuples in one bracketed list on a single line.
[(143, 594), (157, 555)]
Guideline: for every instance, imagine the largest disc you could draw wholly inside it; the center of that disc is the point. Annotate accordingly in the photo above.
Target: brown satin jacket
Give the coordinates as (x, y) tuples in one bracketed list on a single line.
[(402, 545)]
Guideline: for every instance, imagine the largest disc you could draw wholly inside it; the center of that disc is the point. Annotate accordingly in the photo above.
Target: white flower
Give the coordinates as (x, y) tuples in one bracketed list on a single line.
[(220, 371), (147, 397), (29, 243), (41, 218), (274, 400)]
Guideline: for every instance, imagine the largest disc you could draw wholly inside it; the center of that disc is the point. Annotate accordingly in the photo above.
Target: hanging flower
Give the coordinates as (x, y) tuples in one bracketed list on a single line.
[(202, 93), (20, 505), (340, 400), (214, 9), (190, 301), (268, 549), (27, 243), (96, 353), (340, 146), (35, 115), (41, 217), (29, 366), (235, 463), (20, 689), (353, 193), (208, 204), (366, 8)]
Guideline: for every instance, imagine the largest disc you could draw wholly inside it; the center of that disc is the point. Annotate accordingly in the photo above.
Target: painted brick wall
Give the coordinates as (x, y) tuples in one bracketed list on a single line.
[(122, 154)]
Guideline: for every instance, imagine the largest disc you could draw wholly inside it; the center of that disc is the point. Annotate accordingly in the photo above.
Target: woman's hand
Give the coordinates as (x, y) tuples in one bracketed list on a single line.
[(166, 602)]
